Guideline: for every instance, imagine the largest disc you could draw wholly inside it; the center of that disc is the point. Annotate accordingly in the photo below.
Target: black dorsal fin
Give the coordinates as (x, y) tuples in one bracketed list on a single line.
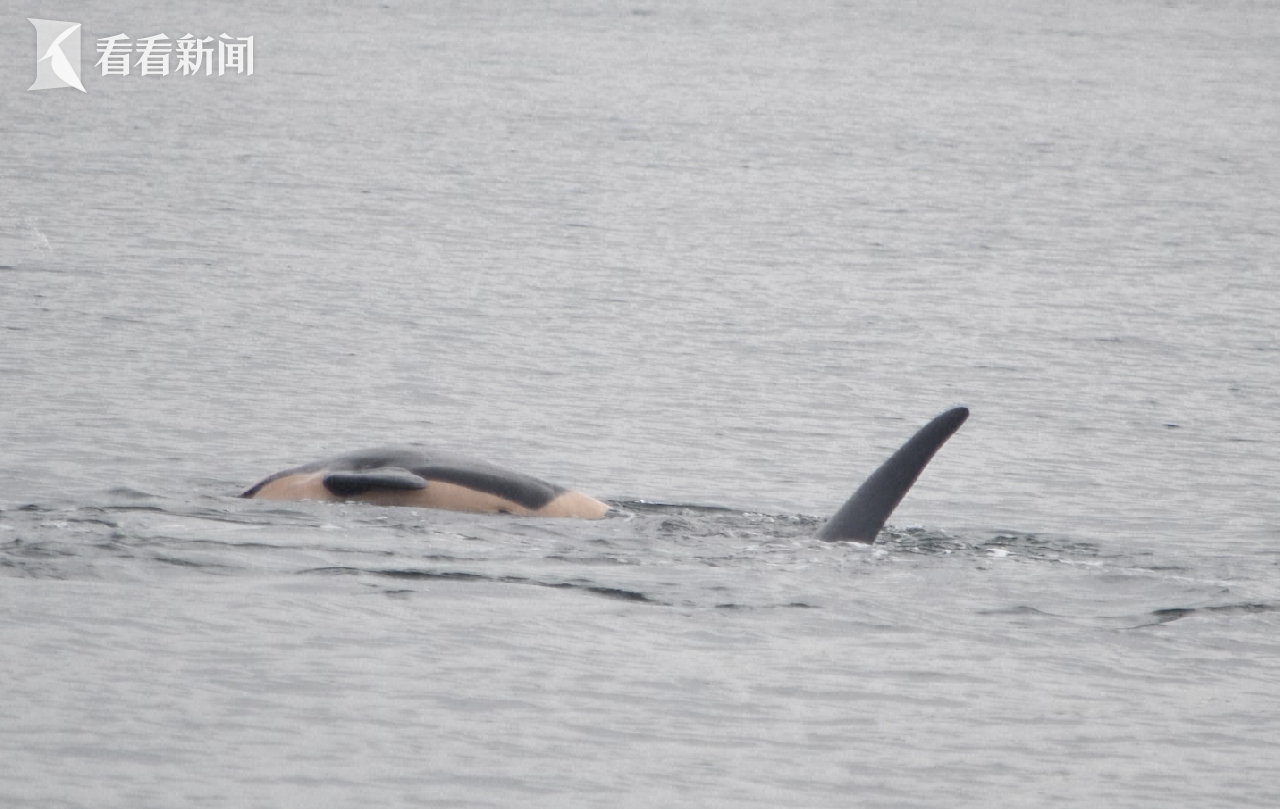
[(864, 514)]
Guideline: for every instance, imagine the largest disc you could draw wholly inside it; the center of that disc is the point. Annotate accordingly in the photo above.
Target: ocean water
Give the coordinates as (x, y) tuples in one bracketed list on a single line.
[(712, 262)]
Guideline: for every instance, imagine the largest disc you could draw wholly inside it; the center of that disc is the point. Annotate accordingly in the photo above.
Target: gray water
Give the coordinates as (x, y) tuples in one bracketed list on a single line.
[(709, 261)]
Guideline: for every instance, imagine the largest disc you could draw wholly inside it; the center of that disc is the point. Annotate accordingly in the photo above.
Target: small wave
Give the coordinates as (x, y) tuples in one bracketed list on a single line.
[(1170, 614), (582, 585)]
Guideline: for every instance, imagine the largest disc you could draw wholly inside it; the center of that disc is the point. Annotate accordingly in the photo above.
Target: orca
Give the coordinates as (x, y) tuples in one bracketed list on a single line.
[(415, 476)]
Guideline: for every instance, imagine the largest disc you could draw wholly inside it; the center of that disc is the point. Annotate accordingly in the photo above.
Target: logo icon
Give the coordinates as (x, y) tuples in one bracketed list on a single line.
[(57, 55)]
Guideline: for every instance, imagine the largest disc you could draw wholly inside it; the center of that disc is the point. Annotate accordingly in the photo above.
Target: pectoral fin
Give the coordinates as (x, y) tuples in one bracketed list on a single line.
[(352, 484)]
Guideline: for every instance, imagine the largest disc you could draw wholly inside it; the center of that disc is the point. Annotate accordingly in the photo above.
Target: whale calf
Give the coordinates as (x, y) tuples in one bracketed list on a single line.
[(413, 476)]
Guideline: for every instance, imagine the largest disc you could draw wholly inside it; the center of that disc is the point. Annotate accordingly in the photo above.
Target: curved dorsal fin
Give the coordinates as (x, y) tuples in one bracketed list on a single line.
[(864, 514)]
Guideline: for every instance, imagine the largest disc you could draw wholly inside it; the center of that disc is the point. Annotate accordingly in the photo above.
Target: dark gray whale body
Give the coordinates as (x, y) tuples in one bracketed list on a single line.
[(410, 476)]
